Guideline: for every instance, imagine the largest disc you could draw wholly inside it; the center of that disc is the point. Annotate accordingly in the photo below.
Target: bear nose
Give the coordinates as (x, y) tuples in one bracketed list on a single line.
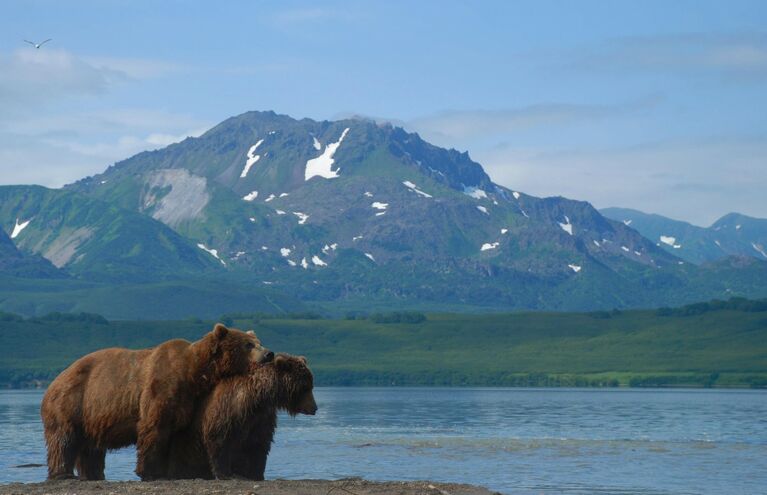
[(268, 357)]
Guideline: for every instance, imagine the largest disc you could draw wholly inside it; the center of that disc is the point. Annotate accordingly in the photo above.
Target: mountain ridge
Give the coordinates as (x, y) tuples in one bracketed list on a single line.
[(352, 213), (732, 234)]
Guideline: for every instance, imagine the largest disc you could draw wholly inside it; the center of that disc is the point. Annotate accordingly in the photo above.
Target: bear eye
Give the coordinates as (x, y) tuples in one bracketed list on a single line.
[(250, 345)]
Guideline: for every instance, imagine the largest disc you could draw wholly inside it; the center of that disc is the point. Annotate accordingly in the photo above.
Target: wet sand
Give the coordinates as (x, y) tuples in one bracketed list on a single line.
[(352, 486)]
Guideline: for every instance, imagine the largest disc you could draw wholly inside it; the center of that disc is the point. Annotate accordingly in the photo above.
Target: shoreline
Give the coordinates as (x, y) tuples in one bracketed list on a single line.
[(348, 486)]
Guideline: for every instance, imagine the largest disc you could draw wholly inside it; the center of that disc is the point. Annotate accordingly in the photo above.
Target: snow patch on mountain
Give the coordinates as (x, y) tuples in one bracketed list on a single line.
[(567, 226), (515, 194), (370, 256), (503, 231), (627, 222), (671, 241), (250, 196), (304, 264), (667, 239), (271, 197), (212, 252), (322, 165), (302, 217), (280, 212), (316, 143), (415, 189), (759, 249), (489, 245), (379, 206), (285, 252), (19, 227), (575, 268), (474, 192), (317, 261), (483, 210), (252, 159), (368, 194)]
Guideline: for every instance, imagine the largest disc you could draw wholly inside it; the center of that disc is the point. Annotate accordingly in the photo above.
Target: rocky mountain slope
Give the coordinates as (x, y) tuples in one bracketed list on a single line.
[(96, 240), (353, 211), (733, 234)]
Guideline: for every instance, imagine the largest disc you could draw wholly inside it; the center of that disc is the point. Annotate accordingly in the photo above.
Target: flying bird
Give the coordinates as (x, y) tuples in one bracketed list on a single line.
[(38, 45)]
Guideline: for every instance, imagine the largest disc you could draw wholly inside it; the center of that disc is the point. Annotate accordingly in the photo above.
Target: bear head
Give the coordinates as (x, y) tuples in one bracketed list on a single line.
[(233, 350), (297, 384)]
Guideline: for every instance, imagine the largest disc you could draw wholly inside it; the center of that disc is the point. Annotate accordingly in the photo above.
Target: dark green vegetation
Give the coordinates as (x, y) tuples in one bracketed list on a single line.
[(733, 234), (394, 224), (717, 344)]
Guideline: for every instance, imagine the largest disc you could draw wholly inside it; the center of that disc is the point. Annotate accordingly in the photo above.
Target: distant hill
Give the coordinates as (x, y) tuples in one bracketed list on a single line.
[(15, 263), (714, 344), (733, 234)]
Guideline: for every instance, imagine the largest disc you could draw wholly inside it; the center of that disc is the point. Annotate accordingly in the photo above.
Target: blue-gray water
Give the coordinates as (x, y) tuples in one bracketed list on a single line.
[(511, 440)]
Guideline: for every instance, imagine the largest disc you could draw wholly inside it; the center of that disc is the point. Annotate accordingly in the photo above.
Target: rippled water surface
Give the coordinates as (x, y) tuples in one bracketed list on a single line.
[(526, 441)]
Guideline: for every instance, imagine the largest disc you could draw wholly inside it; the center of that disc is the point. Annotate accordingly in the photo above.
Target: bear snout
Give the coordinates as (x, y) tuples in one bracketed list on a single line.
[(309, 406), (267, 356)]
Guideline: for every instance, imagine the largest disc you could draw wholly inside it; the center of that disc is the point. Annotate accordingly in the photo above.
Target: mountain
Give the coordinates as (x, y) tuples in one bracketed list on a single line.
[(16, 264), (96, 240), (733, 234), (356, 214)]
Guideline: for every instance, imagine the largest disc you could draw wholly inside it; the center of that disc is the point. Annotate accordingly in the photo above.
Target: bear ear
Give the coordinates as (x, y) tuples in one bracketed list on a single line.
[(302, 359), (220, 331), (251, 332), (282, 362)]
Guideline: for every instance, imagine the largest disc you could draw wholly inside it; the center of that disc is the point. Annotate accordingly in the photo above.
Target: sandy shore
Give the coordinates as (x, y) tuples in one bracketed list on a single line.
[(353, 486)]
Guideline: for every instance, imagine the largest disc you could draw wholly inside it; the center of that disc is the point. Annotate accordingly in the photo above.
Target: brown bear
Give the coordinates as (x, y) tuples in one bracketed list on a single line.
[(232, 432), (116, 397)]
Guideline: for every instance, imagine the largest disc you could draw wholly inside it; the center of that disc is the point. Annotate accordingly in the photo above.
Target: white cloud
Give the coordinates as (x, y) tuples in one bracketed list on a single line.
[(135, 68), (738, 56), (31, 76), (31, 79), (467, 124), (698, 181), (53, 150)]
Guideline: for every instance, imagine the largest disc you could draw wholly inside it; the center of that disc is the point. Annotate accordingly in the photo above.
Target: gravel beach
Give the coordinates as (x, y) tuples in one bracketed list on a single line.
[(352, 486)]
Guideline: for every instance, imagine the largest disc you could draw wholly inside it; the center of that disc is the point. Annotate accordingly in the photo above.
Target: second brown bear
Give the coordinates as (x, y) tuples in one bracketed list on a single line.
[(233, 430)]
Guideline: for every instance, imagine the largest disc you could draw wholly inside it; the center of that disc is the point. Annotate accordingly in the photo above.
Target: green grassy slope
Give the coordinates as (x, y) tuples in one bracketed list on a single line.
[(167, 300), (720, 347)]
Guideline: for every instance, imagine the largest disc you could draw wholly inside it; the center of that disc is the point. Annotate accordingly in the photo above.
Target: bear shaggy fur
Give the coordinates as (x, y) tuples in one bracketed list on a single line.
[(233, 430), (116, 397)]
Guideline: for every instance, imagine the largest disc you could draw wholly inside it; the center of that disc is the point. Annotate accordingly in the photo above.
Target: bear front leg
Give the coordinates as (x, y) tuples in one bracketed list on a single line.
[(152, 449), (221, 463), (90, 463), (253, 466)]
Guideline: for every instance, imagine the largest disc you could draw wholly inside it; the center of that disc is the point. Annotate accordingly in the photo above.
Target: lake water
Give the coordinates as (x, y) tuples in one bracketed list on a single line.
[(516, 441)]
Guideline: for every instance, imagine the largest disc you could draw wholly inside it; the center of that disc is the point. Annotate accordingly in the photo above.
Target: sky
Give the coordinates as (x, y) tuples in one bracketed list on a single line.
[(654, 105)]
